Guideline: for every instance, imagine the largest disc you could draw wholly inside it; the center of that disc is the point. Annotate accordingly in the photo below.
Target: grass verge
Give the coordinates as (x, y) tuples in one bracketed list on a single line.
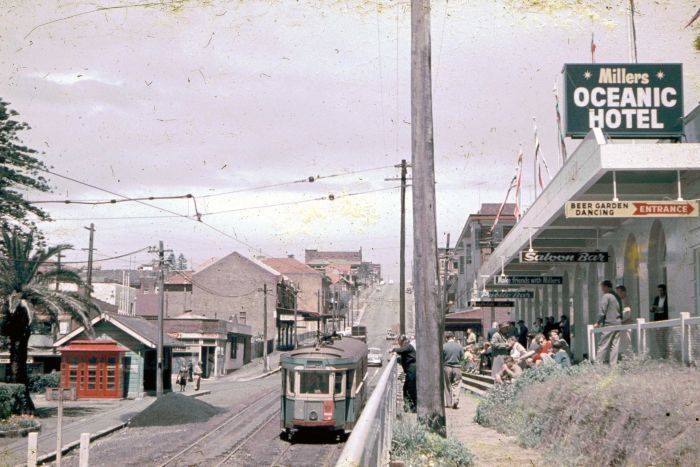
[(416, 446)]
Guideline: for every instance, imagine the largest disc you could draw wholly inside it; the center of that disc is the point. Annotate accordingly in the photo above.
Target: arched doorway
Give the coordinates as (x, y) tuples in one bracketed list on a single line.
[(631, 274), (656, 263)]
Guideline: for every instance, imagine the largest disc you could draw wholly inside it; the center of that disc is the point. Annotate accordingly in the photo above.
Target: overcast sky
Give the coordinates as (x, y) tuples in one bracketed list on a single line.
[(226, 95)]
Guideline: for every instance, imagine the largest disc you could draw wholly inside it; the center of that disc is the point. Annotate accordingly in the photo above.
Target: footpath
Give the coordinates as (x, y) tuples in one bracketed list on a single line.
[(490, 448)]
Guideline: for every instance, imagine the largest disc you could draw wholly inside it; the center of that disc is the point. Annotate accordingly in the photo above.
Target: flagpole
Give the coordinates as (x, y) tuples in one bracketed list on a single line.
[(631, 33), (534, 171)]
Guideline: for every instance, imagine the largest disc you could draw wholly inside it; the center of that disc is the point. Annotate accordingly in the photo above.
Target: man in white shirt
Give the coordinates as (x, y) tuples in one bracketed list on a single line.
[(610, 314)]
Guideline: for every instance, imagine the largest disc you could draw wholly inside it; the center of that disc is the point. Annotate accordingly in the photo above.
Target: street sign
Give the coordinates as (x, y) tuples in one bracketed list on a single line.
[(492, 304), (510, 294), (589, 209), (563, 257), (640, 100), (529, 280)]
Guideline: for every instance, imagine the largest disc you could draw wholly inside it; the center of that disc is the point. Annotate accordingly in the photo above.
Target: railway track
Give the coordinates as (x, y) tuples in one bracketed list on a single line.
[(251, 436), (212, 442)]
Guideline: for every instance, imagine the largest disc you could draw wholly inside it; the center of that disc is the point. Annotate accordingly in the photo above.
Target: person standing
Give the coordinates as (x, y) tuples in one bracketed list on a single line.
[(471, 338), (565, 328), (659, 309), (197, 376), (407, 355), (659, 312), (452, 356), (492, 331), (610, 314), (182, 378), (499, 349), (522, 333), (626, 318)]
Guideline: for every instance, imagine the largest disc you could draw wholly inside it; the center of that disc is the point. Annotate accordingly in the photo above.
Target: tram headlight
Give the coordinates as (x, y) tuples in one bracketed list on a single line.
[(313, 415)]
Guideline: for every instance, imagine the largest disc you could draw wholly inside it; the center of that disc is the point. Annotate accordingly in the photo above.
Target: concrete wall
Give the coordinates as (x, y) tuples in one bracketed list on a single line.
[(177, 302), (235, 281)]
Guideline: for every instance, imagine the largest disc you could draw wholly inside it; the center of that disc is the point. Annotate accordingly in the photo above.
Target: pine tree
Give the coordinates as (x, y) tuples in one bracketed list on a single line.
[(181, 262), (19, 170)]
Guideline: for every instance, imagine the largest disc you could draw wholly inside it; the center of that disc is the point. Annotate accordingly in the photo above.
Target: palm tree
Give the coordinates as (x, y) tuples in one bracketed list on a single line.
[(27, 292)]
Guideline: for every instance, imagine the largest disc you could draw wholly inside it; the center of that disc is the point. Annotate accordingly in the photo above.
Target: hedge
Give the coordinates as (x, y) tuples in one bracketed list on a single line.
[(39, 383), (12, 400)]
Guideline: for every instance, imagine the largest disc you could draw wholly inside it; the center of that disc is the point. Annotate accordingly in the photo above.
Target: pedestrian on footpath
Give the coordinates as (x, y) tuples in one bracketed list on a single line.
[(610, 314), (182, 378), (407, 355), (197, 376), (452, 356)]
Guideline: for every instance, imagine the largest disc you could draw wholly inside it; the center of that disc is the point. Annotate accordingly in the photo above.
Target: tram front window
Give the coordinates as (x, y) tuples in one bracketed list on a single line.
[(314, 383)]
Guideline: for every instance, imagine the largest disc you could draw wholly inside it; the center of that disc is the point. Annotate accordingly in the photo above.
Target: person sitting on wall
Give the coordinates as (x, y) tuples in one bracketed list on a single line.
[(509, 371), (559, 353)]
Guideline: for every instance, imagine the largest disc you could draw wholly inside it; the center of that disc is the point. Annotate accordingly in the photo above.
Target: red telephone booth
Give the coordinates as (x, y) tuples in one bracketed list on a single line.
[(94, 367)]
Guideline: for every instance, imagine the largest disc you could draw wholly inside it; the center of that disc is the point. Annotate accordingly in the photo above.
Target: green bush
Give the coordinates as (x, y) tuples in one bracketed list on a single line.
[(416, 446), (12, 400), (641, 412), (39, 383)]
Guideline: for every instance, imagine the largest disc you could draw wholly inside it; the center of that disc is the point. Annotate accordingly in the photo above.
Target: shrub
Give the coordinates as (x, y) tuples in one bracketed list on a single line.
[(12, 400), (417, 446), (39, 383), (638, 413), (18, 422)]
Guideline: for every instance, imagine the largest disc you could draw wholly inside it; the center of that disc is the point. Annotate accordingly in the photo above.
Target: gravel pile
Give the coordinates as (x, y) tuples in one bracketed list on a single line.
[(174, 409)]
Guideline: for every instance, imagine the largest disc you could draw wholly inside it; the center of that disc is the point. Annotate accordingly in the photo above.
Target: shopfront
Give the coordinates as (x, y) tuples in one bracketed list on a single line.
[(94, 367)]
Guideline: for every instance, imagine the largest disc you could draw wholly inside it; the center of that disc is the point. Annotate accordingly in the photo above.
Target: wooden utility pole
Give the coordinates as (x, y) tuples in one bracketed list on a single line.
[(402, 249), (161, 308), (91, 247), (431, 408), (266, 364), (296, 328)]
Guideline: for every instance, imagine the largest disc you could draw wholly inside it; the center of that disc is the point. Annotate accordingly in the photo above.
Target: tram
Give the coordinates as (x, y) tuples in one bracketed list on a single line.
[(324, 387)]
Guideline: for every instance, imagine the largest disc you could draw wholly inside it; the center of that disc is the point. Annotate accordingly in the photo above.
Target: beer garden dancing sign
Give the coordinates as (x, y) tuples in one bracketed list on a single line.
[(624, 100), (563, 257), (589, 209)]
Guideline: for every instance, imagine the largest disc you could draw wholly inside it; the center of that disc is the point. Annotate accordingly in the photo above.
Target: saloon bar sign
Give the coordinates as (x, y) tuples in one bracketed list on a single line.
[(589, 209), (624, 100), (529, 280), (511, 294), (563, 257), (492, 304)]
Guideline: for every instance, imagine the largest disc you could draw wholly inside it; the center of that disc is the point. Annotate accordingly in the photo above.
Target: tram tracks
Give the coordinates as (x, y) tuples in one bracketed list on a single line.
[(261, 403)]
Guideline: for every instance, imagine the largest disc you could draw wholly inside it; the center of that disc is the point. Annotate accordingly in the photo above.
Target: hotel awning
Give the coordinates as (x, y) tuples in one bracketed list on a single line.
[(642, 171)]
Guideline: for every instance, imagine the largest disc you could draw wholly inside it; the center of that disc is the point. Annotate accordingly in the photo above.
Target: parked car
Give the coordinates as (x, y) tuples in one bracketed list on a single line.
[(374, 357)]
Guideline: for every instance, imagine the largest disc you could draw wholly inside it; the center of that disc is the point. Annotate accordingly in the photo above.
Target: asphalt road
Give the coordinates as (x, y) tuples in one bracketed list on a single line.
[(247, 432)]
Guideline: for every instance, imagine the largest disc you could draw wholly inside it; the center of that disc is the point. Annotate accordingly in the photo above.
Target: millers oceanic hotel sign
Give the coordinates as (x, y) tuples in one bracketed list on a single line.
[(624, 100)]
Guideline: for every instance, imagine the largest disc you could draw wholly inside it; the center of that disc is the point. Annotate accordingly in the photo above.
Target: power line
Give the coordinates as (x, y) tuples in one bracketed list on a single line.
[(329, 197), (84, 262)]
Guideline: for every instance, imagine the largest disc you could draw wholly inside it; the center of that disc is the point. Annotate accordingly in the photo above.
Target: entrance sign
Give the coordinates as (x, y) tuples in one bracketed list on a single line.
[(492, 304), (529, 280), (589, 209), (563, 257), (626, 100), (511, 294)]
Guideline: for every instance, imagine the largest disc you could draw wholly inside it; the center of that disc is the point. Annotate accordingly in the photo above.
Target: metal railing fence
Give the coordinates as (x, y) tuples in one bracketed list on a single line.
[(673, 339), (369, 443)]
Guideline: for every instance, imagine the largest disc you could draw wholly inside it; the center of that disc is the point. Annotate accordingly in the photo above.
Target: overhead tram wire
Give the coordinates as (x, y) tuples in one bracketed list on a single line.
[(330, 197), (110, 258), (310, 179), (198, 220)]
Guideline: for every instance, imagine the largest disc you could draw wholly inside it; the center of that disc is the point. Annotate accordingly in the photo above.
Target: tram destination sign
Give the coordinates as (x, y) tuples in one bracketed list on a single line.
[(590, 209), (563, 257), (625, 100), (492, 304), (511, 294), (529, 280)]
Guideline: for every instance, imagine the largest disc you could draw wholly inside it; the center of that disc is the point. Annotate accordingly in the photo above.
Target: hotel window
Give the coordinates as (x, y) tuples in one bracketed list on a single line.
[(242, 317), (63, 327)]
